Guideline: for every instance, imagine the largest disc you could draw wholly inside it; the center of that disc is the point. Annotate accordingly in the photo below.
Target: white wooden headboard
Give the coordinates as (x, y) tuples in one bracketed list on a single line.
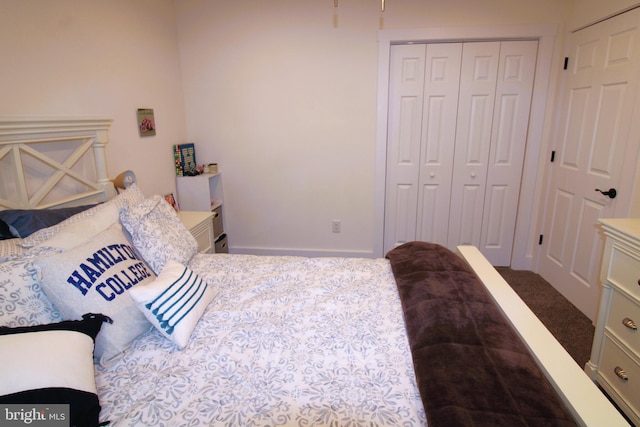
[(53, 162)]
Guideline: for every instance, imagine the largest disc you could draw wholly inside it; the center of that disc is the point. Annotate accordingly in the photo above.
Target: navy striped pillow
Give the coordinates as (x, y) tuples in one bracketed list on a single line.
[(174, 302)]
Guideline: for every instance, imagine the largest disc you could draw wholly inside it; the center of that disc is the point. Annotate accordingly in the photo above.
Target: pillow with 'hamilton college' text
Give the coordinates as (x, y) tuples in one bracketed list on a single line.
[(52, 364), (95, 277)]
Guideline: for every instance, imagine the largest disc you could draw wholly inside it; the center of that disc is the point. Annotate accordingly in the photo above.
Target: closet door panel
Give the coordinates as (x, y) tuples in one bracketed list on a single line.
[(442, 81), (508, 141), (473, 139), (458, 122), (406, 96), (467, 232)]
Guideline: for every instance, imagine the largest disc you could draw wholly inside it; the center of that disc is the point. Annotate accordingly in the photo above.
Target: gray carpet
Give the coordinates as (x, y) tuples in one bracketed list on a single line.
[(571, 328)]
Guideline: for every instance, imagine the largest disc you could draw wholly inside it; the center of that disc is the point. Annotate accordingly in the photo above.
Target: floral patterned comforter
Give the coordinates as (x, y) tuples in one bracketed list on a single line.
[(287, 341)]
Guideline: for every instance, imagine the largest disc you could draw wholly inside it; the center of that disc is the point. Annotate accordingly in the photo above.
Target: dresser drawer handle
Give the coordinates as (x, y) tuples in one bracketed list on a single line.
[(621, 373), (629, 323)]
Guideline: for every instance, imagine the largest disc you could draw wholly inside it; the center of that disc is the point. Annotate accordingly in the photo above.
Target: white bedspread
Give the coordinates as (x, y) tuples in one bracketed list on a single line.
[(287, 341)]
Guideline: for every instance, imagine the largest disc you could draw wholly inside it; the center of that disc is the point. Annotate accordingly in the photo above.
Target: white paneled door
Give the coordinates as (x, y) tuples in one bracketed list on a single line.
[(592, 142), (458, 117)]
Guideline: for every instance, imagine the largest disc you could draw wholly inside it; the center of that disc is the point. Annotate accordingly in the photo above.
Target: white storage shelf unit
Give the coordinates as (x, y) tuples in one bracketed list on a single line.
[(200, 192), (204, 193)]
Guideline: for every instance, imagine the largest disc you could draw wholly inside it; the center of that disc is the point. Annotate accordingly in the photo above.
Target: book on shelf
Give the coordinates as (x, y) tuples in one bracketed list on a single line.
[(185, 159)]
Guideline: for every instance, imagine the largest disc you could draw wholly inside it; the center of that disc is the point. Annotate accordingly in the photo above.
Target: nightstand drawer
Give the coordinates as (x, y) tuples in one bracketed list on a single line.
[(200, 225), (203, 233), (624, 272), (623, 317), (616, 366)]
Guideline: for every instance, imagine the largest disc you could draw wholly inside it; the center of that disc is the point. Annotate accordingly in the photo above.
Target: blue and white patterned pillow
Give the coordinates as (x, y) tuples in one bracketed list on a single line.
[(157, 233), (22, 300), (174, 302)]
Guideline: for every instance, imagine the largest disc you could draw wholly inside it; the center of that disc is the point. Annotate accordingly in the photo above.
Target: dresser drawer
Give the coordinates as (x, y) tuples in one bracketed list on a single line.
[(624, 272), (615, 358), (625, 312)]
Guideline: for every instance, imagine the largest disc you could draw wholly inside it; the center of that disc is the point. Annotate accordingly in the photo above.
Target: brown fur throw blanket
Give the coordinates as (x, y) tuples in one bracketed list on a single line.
[(472, 369)]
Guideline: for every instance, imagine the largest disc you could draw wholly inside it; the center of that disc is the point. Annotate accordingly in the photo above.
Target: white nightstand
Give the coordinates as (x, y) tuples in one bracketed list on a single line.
[(200, 224)]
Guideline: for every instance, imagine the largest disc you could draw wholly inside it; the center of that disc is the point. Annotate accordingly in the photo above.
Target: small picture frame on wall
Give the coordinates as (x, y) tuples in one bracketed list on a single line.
[(146, 122), (172, 201)]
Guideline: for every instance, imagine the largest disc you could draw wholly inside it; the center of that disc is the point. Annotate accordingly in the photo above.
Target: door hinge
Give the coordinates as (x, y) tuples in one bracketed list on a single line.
[(566, 62), (553, 156), (540, 239)]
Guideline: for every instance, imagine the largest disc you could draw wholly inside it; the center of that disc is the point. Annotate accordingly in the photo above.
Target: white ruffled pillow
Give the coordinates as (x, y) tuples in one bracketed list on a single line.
[(130, 196), (10, 248), (174, 302), (83, 230), (157, 233)]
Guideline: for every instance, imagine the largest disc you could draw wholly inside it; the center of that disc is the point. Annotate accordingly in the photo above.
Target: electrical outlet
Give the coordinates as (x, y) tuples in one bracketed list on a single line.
[(336, 226)]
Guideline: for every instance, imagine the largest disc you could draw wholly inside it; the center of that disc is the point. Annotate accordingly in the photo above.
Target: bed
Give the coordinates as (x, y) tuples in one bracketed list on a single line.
[(154, 333)]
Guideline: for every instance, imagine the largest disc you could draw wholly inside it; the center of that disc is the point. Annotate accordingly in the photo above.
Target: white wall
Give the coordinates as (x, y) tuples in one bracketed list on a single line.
[(98, 58), (282, 94), (585, 12)]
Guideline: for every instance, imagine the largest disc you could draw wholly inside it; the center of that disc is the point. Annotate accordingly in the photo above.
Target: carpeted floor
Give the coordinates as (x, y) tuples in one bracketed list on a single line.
[(571, 328)]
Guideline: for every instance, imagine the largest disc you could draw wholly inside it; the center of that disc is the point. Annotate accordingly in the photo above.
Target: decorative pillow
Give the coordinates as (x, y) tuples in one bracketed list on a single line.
[(79, 232), (28, 221), (22, 301), (157, 233), (174, 302), (131, 195), (52, 364), (94, 277)]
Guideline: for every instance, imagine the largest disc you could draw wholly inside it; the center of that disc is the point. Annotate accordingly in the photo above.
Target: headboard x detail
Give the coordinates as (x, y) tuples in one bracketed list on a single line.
[(53, 162)]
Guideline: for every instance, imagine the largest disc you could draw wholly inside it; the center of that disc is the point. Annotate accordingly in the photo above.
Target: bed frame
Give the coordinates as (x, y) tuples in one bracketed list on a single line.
[(72, 152), (587, 403)]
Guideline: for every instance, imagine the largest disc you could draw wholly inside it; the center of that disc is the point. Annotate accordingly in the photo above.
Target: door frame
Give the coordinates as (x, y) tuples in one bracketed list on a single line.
[(525, 234)]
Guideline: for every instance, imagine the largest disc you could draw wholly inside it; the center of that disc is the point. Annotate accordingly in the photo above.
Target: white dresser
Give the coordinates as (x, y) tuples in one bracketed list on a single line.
[(615, 356)]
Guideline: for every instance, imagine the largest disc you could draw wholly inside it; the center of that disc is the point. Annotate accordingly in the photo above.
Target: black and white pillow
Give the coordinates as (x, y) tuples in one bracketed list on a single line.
[(52, 364)]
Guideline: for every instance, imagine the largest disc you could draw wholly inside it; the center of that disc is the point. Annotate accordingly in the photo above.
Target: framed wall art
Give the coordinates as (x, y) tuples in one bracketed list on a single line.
[(146, 122)]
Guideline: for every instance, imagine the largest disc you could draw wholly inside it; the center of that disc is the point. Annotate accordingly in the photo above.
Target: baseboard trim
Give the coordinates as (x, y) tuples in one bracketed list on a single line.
[(310, 253)]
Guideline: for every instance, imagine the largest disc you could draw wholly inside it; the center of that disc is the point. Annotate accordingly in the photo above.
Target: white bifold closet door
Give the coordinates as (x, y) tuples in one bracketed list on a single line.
[(458, 119)]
